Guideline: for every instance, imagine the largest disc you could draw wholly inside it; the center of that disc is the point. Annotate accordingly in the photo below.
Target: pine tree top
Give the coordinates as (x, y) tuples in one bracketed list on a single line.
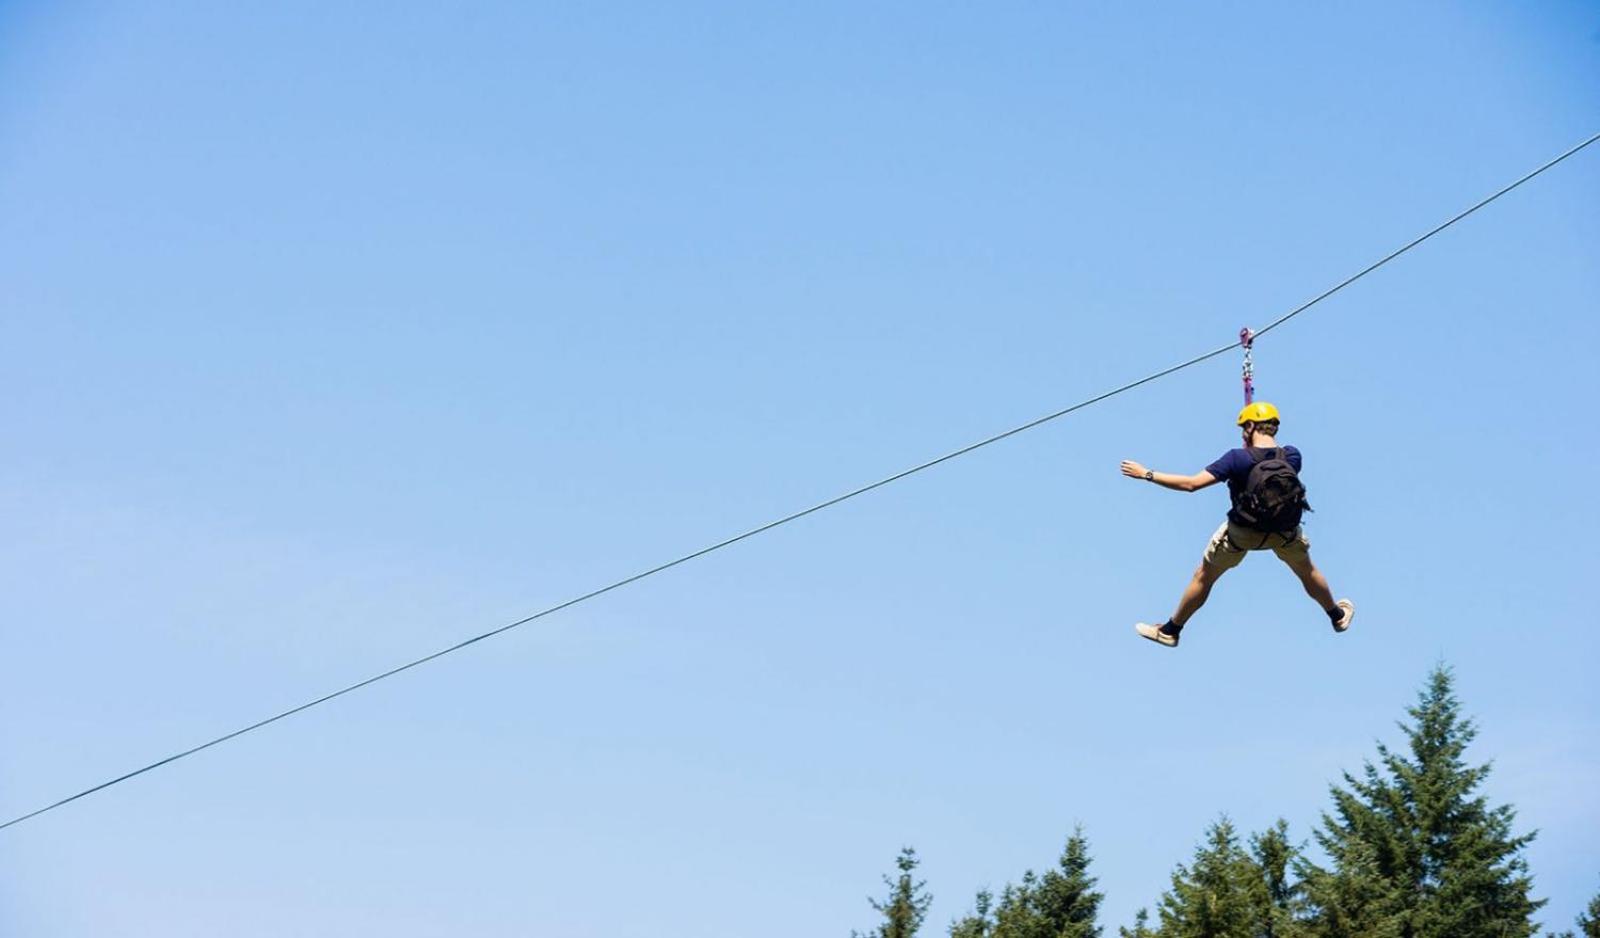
[(1416, 848)]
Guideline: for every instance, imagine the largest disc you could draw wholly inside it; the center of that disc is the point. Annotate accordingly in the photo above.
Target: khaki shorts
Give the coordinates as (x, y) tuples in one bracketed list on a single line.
[(1231, 542)]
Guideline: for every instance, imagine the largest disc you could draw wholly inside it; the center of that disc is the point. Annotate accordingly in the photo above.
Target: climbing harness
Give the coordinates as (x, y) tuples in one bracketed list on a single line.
[(1247, 339)]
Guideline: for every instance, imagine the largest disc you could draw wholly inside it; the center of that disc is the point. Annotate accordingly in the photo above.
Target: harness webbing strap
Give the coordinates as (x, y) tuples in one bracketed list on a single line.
[(1247, 340)]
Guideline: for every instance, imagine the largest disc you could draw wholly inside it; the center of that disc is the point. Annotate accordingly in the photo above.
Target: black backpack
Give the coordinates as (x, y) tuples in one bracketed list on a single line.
[(1273, 498)]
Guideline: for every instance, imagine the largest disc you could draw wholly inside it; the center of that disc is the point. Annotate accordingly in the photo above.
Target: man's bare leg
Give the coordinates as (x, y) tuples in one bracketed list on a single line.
[(1194, 596), (1198, 591), (1316, 585)]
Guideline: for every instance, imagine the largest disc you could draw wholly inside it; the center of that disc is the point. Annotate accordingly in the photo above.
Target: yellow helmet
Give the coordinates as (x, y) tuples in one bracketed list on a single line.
[(1259, 412)]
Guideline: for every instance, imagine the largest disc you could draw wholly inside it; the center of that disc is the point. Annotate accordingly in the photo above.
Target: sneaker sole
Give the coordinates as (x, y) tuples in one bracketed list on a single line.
[(1151, 635)]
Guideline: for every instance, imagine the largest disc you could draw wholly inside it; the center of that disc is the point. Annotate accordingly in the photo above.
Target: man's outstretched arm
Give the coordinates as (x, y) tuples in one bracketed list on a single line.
[(1168, 480)]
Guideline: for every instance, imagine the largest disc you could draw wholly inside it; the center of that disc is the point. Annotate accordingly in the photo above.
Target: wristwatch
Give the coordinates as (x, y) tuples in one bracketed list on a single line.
[(1149, 475)]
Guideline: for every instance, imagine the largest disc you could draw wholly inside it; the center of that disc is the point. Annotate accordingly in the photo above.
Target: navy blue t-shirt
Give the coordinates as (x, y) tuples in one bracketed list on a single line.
[(1234, 468)]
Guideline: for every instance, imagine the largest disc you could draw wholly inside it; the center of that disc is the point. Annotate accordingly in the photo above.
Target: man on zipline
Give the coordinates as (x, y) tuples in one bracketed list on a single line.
[(1268, 500)]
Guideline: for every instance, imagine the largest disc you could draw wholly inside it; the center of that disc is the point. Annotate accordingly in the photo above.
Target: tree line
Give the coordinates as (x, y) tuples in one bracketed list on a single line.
[(1409, 849)]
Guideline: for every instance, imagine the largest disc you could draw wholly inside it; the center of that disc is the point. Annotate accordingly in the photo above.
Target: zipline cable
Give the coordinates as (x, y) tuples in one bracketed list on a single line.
[(1414, 242), (803, 512)]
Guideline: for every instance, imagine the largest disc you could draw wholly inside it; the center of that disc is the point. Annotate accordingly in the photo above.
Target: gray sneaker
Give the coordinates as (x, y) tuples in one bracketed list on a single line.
[(1154, 633), (1349, 613)]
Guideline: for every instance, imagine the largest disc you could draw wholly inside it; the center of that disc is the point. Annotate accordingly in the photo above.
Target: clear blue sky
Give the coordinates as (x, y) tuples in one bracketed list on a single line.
[(335, 333)]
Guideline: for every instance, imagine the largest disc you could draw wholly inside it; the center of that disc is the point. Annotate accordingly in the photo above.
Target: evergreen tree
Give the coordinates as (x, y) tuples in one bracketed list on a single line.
[(1415, 852), (1355, 900), (906, 905), (1141, 927), (1217, 895), (1017, 916), (1274, 897), (977, 923), (1589, 921), (1065, 898), (1061, 903), (1230, 892)]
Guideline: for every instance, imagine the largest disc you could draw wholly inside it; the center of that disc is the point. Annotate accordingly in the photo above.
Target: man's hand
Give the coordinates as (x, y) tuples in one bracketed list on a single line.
[(1133, 470)]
